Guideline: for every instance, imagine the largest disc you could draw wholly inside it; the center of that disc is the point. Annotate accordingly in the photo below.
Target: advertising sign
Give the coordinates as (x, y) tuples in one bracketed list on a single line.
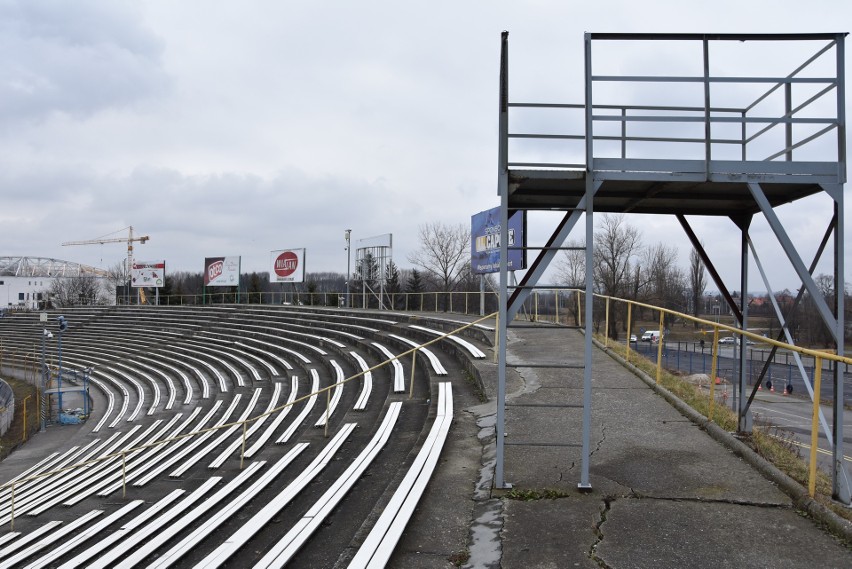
[(148, 274), (287, 266), (221, 271), (485, 241)]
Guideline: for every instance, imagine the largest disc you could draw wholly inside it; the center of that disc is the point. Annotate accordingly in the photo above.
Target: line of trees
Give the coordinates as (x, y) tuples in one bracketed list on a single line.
[(626, 268)]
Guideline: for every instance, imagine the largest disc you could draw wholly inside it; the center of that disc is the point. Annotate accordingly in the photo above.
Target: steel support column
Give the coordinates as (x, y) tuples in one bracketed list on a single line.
[(840, 478), (841, 488), (585, 484), (503, 189)]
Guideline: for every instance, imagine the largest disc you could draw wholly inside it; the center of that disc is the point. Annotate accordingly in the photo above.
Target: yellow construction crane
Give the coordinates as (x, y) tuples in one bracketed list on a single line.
[(130, 239)]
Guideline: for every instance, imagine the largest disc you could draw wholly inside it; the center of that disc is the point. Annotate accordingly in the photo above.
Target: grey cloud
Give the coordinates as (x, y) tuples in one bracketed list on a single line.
[(76, 58)]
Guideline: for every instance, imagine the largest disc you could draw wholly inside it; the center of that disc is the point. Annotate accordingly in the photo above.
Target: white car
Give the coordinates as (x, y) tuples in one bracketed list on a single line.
[(728, 340)]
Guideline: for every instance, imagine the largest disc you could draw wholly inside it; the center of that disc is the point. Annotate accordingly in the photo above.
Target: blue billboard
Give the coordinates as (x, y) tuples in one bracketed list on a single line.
[(485, 242)]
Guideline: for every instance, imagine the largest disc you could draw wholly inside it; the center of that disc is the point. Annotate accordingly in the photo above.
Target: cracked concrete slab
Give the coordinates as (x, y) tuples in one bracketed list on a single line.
[(676, 497), (550, 534), (640, 533)]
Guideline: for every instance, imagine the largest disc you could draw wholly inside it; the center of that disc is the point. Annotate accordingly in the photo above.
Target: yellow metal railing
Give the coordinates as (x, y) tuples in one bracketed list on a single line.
[(818, 355), (244, 424)]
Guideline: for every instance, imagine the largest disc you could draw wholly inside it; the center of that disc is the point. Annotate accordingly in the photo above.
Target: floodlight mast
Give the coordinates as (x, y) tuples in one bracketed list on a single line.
[(129, 240)]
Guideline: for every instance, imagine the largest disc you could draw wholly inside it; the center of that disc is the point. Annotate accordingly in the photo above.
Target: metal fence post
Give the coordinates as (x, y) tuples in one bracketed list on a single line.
[(713, 371), (814, 428), (243, 449), (411, 381), (327, 408), (660, 349), (12, 510)]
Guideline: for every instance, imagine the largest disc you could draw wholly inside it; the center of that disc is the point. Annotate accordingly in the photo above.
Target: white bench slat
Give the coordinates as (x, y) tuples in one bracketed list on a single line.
[(205, 386), (43, 489), (223, 434), (382, 539), (106, 540), (121, 549), (28, 538), (174, 528), (284, 363), (180, 357), (83, 536), (335, 395), (257, 424), (367, 387), (398, 372), (437, 366), (147, 460), (49, 538), (222, 384), (279, 418), (240, 356), (225, 352), (134, 461), (155, 387), (187, 385), (281, 553), (110, 402), (86, 477), (300, 418), (221, 515), (176, 448), (473, 350), (233, 543)]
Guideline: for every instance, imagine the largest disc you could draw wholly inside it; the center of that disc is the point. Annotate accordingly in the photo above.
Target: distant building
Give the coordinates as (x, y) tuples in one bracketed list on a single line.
[(25, 282)]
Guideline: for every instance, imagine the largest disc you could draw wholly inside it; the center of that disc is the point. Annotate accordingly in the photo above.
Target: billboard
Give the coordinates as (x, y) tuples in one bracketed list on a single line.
[(148, 274), (221, 271), (485, 241), (287, 266)]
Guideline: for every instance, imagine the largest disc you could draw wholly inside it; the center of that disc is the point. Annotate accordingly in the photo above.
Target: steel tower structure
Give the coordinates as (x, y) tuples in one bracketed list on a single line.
[(739, 139)]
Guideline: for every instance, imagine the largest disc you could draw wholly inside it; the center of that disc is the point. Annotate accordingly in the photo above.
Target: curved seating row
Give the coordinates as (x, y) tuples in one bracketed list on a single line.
[(224, 366)]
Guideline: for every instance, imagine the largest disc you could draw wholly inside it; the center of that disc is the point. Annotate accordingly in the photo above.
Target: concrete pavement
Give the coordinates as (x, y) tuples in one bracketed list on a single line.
[(664, 493)]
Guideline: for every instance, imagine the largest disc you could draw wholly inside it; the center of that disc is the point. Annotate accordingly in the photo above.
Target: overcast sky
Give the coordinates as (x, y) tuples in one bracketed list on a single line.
[(235, 128)]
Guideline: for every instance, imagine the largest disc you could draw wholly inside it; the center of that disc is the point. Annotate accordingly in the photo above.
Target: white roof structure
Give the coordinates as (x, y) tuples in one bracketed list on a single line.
[(44, 267)]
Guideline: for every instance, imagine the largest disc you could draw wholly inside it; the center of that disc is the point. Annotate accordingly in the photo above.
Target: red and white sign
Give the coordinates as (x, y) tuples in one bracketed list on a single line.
[(287, 266), (221, 271), (148, 274)]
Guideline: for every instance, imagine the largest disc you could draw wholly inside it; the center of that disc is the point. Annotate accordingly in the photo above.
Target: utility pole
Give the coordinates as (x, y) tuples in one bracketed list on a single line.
[(348, 272)]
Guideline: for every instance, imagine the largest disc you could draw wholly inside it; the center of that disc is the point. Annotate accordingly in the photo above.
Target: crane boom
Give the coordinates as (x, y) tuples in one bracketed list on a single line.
[(141, 239), (130, 239)]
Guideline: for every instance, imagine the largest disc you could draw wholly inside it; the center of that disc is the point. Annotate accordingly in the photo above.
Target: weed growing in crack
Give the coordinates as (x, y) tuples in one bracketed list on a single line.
[(459, 558), (530, 494)]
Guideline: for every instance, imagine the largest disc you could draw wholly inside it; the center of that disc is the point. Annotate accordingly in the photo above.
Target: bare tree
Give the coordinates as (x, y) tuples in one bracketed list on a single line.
[(571, 264), (78, 291), (616, 245), (571, 271), (697, 282), (443, 253)]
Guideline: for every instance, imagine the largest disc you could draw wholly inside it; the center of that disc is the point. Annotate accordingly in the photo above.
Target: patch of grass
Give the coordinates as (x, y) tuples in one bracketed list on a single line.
[(15, 435), (687, 392), (459, 558), (530, 494)]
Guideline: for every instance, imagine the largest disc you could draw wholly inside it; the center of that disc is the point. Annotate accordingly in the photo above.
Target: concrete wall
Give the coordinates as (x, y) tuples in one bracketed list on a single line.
[(7, 406)]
